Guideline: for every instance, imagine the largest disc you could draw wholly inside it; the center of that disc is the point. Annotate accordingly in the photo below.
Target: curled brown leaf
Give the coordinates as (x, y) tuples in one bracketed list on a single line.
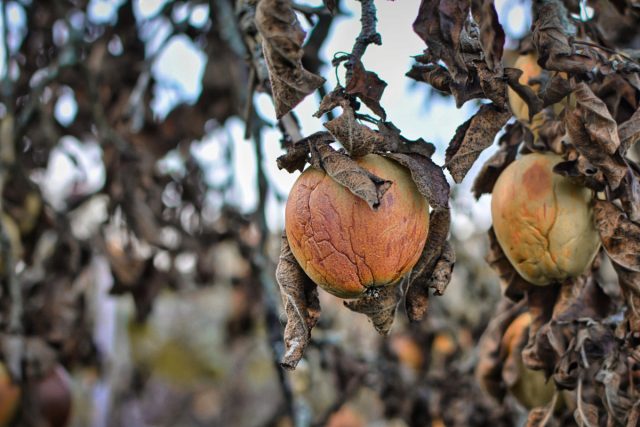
[(297, 154), (550, 33), (597, 119), (442, 271), (493, 167), (472, 137), (368, 87), (434, 74), (428, 177), (620, 236), (524, 91), (629, 132), (420, 279), (594, 143), (282, 38), (395, 142), (492, 35), (345, 171), (356, 138), (301, 304)]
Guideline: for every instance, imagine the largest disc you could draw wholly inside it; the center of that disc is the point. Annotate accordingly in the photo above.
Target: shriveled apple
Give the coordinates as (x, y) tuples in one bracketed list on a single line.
[(543, 221), (342, 244)]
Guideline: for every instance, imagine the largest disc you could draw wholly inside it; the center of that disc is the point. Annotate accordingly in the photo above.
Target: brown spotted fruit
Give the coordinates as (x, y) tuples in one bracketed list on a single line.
[(342, 244), (543, 221)]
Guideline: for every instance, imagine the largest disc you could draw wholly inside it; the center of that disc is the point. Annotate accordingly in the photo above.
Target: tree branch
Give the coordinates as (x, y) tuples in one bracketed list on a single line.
[(368, 35)]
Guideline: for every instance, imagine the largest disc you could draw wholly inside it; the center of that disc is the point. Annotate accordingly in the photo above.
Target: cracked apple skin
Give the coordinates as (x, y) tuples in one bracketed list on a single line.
[(543, 221), (343, 245)]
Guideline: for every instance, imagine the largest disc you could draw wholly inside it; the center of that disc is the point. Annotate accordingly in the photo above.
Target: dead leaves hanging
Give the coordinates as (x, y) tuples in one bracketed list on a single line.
[(472, 137), (434, 271), (471, 54), (282, 38), (300, 299)]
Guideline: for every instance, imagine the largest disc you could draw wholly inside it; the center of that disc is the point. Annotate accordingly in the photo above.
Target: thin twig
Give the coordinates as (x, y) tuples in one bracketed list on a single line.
[(368, 34)]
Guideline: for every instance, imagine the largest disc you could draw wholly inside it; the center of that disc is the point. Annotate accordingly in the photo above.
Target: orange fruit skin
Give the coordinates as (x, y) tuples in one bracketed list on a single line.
[(9, 397), (543, 221), (342, 244)]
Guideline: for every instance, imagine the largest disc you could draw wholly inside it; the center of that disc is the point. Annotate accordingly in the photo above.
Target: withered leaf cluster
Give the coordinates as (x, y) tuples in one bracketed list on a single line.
[(584, 331), (433, 271)]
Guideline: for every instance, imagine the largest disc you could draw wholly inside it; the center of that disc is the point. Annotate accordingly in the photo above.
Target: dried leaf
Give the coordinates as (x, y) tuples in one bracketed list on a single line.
[(297, 153), (581, 297), (492, 83), (420, 278), (428, 177), (629, 132), (379, 304), (491, 35), (348, 173), (619, 94), (629, 195), (539, 352), (525, 91), (550, 34), (434, 74), (332, 100), (472, 137), (282, 38), (367, 86), (600, 152), (620, 236), (395, 142), (493, 167), (582, 172), (300, 299), (442, 271), (439, 24), (599, 124), (358, 139), (554, 90)]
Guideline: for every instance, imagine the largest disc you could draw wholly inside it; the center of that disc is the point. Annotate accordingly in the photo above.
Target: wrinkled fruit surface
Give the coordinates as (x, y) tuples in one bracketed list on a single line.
[(9, 397), (346, 247), (543, 221)]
